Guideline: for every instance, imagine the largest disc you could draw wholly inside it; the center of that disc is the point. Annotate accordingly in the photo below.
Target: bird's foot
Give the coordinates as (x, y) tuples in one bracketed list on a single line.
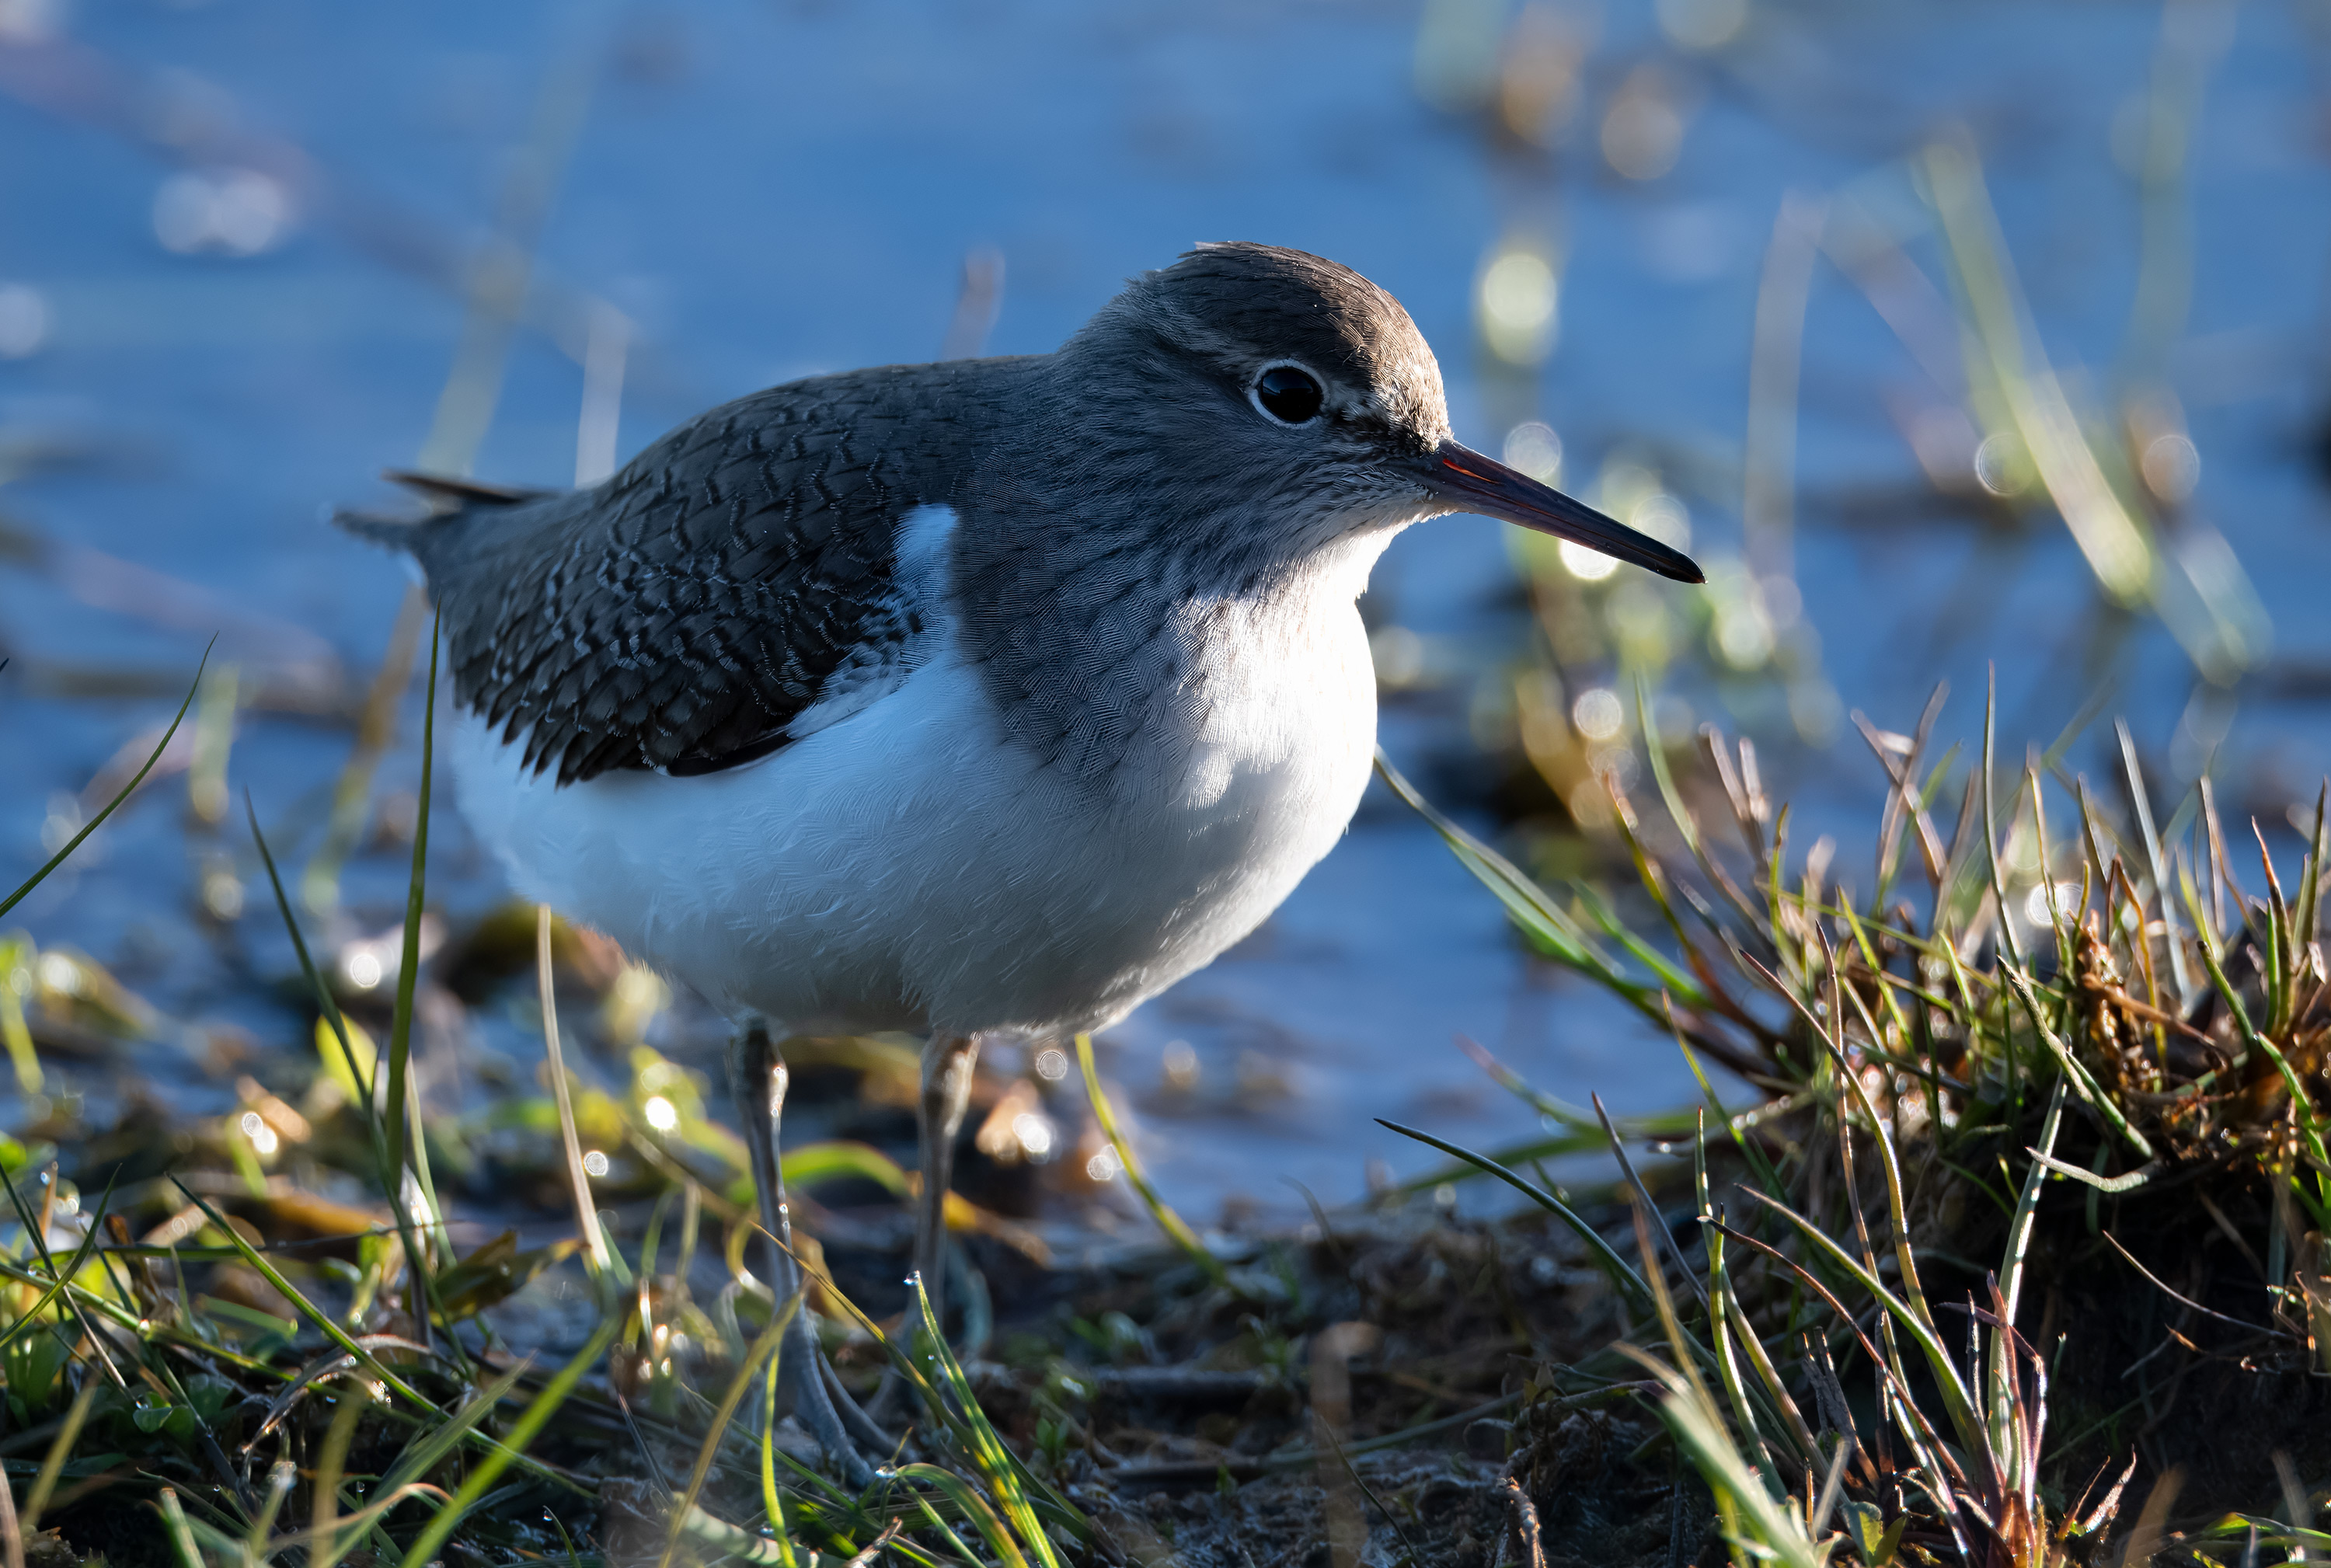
[(860, 1422), (813, 1393)]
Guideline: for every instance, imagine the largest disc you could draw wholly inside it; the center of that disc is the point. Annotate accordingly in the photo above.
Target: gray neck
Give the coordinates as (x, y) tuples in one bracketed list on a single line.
[(1095, 579)]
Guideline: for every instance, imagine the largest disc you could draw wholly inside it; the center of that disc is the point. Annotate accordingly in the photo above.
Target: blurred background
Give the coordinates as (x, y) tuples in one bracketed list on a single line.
[(1945, 337)]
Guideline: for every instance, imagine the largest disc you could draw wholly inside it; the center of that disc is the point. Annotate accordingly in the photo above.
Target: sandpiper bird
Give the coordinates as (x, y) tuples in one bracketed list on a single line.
[(985, 697)]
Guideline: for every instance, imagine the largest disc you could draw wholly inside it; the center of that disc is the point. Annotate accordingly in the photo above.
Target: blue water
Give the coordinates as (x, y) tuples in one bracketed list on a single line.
[(769, 190)]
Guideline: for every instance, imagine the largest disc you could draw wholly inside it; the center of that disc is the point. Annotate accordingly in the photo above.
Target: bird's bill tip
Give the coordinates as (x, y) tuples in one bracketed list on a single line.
[(1475, 483)]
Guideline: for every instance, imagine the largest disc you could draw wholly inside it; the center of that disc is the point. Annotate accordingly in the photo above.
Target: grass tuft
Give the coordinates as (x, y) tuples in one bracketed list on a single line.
[(2105, 1032)]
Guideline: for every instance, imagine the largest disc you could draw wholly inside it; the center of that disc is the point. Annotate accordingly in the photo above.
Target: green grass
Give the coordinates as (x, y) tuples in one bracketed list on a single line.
[(2144, 1035), (383, 1433), (2108, 1068), (2090, 1074)]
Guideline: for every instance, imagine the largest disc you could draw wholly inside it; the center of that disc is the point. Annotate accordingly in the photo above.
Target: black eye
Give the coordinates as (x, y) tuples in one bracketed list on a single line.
[(1289, 392)]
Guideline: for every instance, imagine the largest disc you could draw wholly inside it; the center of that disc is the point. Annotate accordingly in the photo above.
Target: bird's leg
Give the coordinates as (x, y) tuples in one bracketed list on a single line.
[(757, 1077), (948, 1063)]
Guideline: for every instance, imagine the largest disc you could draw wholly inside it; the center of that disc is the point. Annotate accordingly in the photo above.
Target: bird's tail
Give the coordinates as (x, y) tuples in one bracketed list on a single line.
[(447, 496), (448, 492), (396, 533)]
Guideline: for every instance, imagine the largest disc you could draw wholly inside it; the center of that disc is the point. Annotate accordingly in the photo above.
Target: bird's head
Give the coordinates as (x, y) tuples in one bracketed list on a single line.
[(1250, 388)]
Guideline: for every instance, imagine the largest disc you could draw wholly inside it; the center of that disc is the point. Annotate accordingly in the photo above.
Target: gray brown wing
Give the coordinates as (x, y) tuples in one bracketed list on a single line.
[(682, 614)]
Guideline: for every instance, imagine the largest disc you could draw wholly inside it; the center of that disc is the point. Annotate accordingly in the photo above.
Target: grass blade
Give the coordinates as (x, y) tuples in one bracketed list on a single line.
[(53, 861), (1606, 1257), (523, 1431), (766, 1345), (329, 1468), (180, 1535), (1757, 1523), (1004, 1472), (2152, 838), (1527, 903), (1168, 1220), (59, 1450), (428, 1450), (365, 1358), (1957, 1404), (771, 1500), (400, 1037), (587, 1212), (1646, 1206), (368, 1095), (973, 1506)]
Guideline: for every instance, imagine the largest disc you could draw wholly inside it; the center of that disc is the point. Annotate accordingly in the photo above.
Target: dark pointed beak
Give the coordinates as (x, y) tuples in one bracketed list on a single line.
[(1473, 483)]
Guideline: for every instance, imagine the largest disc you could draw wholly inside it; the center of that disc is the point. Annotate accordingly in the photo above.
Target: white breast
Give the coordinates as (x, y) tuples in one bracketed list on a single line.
[(903, 867)]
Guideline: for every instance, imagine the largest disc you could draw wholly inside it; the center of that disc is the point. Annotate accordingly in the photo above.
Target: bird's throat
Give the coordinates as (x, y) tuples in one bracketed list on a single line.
[(1115, 661)]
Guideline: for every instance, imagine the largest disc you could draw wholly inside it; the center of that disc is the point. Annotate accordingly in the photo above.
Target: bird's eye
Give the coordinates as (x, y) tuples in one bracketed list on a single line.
[(1289, 393)]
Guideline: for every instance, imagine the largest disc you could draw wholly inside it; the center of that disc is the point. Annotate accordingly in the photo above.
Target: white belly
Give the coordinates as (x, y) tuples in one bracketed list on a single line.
[(905, 868)]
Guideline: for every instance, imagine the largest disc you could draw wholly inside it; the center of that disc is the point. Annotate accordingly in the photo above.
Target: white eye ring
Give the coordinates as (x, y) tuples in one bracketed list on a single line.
[(1254, 392)]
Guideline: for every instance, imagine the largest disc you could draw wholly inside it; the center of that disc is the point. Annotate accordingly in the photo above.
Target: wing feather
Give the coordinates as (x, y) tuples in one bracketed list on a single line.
[(683, 614)]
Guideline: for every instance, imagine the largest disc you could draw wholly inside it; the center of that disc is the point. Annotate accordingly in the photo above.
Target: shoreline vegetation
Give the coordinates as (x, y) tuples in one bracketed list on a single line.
[(1998, 1238), (2001, 1243)]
